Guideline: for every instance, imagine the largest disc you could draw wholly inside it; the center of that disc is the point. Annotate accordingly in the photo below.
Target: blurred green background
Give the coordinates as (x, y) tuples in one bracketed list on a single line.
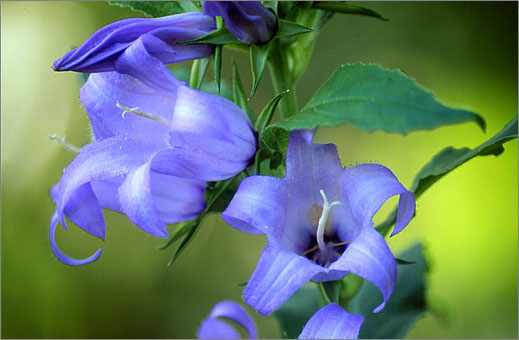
[(465, 52)]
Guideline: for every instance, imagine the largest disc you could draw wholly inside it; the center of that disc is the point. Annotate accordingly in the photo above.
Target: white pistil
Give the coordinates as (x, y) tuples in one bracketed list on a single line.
[(322, 222), (63, 142), (135, 111)]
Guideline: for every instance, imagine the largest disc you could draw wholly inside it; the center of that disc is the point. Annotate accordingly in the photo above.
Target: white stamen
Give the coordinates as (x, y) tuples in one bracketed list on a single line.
[(135, 111), (322, 221)]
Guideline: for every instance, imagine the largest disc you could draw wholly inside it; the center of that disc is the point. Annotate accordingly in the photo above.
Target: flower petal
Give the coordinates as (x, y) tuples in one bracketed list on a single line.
[(150, 199), (102, 92), (59, 254), (84, 210), (312, 167), (217, 329), (369, 257), (258, 206), (278, 275), (137, 62), (98, 161), (233, 311), (177, 199), (368, 186), (332, 322), (137, 203), (106, 192)]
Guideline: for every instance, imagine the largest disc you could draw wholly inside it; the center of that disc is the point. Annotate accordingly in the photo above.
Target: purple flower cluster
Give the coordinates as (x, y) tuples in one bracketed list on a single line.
[(158, 141)]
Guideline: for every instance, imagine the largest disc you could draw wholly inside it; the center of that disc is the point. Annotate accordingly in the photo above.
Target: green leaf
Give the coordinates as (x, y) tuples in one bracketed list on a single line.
[(159, 8), (268, 112), (404, 308), (371, 97), (343, 7), (296, 311), (239, 97), (258, 61), (220, 36), (289, 29), (198, 70), (449, 159)]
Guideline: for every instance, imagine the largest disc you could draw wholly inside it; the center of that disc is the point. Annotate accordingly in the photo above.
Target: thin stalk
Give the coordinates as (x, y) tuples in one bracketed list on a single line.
[(282, 81)]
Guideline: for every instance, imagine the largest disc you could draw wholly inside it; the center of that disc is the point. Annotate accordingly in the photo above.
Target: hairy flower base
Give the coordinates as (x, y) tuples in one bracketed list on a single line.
[(310, 238)]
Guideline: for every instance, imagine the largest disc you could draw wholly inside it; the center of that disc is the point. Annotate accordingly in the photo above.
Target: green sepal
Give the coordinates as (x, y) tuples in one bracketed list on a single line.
[(289, 29), (273, 146), (373, 98), (180, 230), (268, 112), (239, 96), (183, 74), (405, 307), (350, 286), (404, 262), (258, 61), (329, 291), (160, 8), (218, 66), (296, 311), (217, 192), (198, 70), (449, 159), (345, 8), (220, 36)]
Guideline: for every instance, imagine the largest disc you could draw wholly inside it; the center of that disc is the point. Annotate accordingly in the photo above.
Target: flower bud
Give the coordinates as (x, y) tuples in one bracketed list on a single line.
[(249, 21), (103, 50)]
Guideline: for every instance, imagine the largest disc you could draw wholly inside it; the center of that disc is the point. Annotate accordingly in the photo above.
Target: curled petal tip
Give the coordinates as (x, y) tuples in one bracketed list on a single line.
[(380, 307), (60, 255)]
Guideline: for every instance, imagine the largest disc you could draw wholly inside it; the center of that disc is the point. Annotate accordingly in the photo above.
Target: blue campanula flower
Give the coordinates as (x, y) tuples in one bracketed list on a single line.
[(330, 322), (249, 21), (117, 46), (318, 222), (155, 149)]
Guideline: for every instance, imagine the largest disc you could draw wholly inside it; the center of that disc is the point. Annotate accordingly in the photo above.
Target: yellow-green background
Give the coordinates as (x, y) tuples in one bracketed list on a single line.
[(465, 52)]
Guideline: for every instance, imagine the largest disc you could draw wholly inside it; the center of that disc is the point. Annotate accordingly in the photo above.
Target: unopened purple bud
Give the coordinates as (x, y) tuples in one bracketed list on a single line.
[(103, 50), (249, 21)]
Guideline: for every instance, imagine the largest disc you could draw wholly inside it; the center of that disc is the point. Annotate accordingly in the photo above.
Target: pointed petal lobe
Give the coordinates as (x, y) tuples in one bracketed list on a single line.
[(368, 186), (332, 322), (278, 275), (217, 329), (369, 257), (233, 311), (258, 206)]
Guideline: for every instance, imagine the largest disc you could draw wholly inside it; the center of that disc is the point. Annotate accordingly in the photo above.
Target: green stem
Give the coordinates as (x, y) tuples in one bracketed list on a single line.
[(282, 81)]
